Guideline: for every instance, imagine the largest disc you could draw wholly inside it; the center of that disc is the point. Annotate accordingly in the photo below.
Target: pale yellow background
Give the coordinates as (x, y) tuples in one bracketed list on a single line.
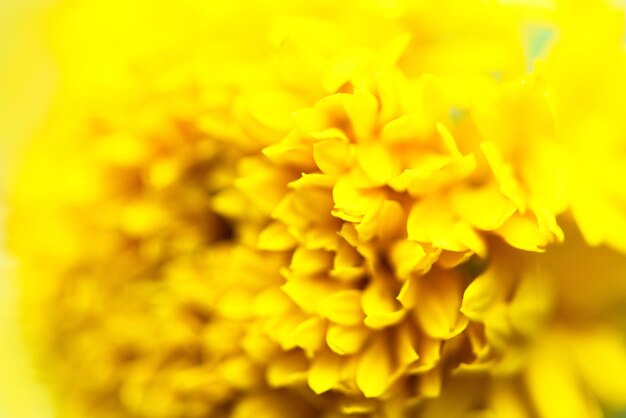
[(26, 84)]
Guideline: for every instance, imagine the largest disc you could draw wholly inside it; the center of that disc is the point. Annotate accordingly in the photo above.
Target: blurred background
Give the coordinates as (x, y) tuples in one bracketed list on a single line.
[(26, 85)]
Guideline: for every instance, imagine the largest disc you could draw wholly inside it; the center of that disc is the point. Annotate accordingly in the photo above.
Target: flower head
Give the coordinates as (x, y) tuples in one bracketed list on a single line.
[(387, 206), (352, 210)]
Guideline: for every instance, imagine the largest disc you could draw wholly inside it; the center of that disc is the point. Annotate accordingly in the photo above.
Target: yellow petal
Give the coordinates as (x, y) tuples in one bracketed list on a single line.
[(241, 372), (439, 301), (310, 334), (282, 328), (348, 263), (289, 368), (450, 259), (362, 109), (531, 305), (393, 50), (354, 201), (346, 340), (430, 383), (406, 257), (313, 179), (276, 237), (271, 301), (380, 306), (308, 292), (346, 256), (504, 174), (260, 174), (431, 222), (523, 232), (404, 129), (313, 204), (330, 133), (378, 162), (390, 88), (472, 240), (498, 328), (408, 292), (343, 308), (431, 172), (325, 371), (332, 155), (370, 224), (321, 238), (448, 140), (392, 222), (429, 350), (405, 345), (374, 369), (485, 208), (309, 120), (548, 225), (484, 292), (292, 150), (276, 115), (305, 261), (230, 203)]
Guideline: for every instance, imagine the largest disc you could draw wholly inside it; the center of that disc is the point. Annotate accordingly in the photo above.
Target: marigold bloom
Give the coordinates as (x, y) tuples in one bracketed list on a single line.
[(386, 221), (370, 209)]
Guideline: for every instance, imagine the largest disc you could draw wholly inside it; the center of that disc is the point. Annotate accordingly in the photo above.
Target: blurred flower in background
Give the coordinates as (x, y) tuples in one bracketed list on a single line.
[(280, 209)]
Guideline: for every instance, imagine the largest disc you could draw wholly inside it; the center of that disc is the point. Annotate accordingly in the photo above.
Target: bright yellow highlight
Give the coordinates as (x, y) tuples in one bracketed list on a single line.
[(361, 209)]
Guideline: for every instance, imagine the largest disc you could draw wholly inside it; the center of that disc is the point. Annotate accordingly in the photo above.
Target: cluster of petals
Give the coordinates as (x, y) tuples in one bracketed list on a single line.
[(374, 210)]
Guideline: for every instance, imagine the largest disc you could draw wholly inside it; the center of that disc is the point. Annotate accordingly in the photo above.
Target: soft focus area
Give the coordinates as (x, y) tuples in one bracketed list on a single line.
[(312, 209), (26, 81)]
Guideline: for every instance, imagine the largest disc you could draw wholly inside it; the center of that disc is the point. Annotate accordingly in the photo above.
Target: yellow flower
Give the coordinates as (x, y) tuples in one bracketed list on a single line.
[(386, 218), (118, 190), (358, 209), (107, 275)]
